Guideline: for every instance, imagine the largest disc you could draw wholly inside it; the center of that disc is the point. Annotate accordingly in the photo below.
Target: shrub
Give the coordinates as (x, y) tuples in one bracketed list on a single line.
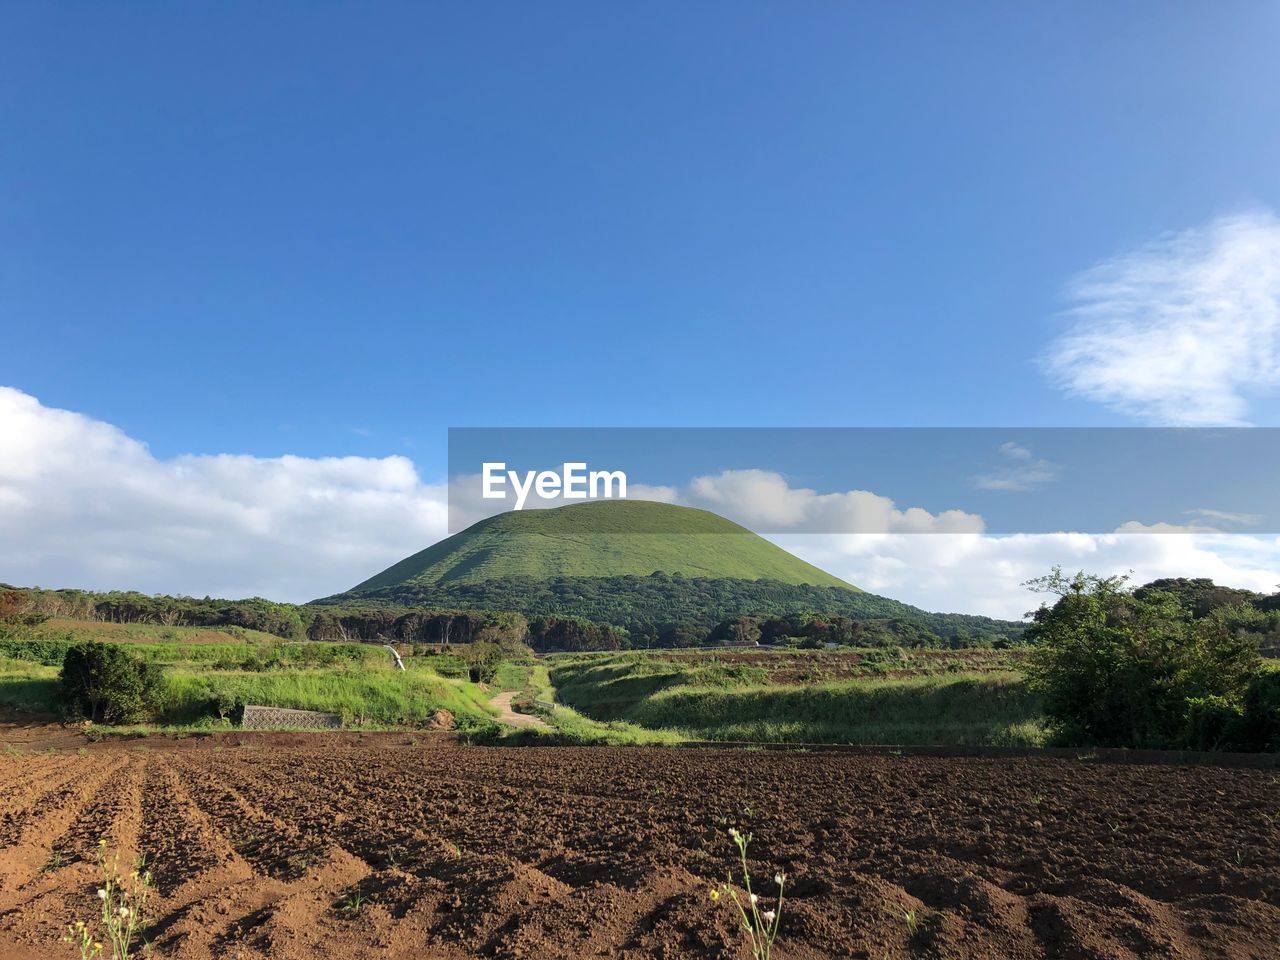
[(224, 700), (1121, 670), (1259, 728), (1213, 723), (103, 682), (483, 660)]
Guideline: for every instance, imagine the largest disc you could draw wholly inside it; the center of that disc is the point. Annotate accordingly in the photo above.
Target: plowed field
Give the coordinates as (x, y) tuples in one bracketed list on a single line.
[(260, 848)]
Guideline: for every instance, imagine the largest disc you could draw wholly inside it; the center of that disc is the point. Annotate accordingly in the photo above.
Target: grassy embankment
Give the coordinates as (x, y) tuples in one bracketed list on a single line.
[(657, 697), (869, 697), (358, 681), (532, 683)]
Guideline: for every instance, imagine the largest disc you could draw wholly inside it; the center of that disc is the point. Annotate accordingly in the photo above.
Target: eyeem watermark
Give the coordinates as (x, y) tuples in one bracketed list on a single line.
[(573, 482)]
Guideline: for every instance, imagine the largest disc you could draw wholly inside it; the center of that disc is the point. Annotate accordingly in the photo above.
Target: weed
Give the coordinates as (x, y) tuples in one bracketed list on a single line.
[(81, 936), (56, 861), (761, 925), (914, 920), (124, 912), (353, 903)]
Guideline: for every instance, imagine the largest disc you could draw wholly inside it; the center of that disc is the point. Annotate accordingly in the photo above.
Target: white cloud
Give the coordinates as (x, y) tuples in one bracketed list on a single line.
[(1023, 471), (1182, 331), (82, 504), (759, 499), (1225, 516), (763, 500), (970, 573)]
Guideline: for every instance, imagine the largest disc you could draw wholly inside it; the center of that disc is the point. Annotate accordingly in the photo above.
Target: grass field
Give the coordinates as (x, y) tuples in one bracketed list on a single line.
[(533, 683), (204, 675), (973, 697), (872, 697)]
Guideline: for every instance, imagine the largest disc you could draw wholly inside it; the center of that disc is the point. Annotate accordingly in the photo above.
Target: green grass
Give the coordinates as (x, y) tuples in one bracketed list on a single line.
[(28, 687), (366, 693), (362, 695), (49, 649), (621, 537), (570, 727), (703, 698)]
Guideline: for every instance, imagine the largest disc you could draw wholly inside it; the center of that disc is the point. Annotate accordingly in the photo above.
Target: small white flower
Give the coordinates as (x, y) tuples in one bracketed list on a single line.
[(754, 899), (779, 878), (768, 916), (102, 894), (124, 911), (733, 832)]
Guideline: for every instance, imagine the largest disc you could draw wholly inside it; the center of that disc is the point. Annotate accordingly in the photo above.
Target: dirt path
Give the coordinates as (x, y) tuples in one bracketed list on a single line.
[(521, 721)]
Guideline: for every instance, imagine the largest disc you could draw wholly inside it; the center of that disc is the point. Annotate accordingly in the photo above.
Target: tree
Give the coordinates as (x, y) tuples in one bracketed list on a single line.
[(103, 682), (1121, 670), (483, 660)]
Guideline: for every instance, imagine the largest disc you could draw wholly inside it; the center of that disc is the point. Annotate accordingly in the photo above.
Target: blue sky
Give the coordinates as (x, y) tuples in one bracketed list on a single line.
[(331, 229), (315, 230)]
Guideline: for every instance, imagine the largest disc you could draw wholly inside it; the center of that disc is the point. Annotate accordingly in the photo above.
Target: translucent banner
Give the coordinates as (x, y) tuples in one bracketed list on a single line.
[(873, 480)]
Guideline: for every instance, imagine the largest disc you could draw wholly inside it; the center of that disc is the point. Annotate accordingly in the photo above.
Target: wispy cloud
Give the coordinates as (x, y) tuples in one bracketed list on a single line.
[(1181, 331), (1021, 471), (1225, 516)]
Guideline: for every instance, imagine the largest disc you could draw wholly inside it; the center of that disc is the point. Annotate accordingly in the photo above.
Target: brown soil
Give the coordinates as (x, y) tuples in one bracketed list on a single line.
[(258, 842)]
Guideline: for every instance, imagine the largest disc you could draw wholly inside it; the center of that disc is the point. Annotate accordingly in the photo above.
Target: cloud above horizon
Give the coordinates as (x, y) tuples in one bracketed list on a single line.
[(83, 504), (1182, 331), (1021, 470)]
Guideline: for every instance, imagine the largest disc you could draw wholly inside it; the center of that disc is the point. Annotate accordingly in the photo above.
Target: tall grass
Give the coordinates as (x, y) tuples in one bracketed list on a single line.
[(28, 687), (363, 693), (724, 703), (360, 694)]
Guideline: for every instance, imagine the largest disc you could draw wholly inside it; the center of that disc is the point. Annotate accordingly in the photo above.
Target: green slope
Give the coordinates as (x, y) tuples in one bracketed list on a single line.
[(599, 539)]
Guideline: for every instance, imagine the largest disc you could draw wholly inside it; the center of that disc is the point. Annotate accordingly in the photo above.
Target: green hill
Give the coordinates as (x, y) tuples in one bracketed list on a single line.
[(603, 538), (648, 567)]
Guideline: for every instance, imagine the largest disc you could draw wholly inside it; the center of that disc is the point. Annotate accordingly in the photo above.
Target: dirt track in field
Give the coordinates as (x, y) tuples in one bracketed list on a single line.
[(257, 842)]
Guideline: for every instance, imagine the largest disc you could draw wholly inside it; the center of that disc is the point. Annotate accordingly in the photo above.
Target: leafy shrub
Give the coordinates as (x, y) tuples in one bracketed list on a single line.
[(49, 652), (1121, 670), (1213, 723), (224, 701), (484, 660), (103, 682), (1259, 728)]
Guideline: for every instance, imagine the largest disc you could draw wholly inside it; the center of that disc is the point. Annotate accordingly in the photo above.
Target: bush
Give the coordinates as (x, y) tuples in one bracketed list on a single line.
[(1259, 728), (49, 652), (483, 659), (1121, 670), (1213, 723), (104, 683), (224, 700)]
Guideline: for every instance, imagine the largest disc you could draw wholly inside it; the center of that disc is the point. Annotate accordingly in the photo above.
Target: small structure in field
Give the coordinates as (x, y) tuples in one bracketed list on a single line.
[(273, 718)]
